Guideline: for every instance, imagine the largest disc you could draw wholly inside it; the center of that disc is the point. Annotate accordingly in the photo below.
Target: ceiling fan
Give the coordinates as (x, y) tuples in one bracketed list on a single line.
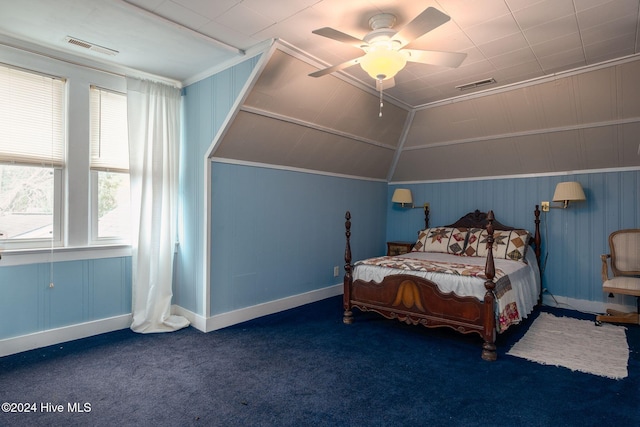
[(384, 53)]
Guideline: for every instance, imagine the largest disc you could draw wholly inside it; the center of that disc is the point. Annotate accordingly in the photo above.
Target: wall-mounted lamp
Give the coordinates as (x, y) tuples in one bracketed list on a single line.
[(565, 192), (403, 197)]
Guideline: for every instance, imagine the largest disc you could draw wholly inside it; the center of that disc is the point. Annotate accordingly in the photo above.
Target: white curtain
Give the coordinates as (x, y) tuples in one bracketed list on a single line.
[(153, 115)]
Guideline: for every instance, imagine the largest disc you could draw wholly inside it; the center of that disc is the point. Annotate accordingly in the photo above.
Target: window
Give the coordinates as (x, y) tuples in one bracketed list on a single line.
[(110, 197), (31, 157)]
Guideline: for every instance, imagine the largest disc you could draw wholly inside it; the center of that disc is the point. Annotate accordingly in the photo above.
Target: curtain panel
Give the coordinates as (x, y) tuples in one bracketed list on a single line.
[(153, 115)]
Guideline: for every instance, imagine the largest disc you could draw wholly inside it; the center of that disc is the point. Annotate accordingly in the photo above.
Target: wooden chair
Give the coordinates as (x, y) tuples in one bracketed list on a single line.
[(625, 266)]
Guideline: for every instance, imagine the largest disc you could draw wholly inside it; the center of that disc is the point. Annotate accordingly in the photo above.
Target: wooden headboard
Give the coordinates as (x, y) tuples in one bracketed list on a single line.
[(478, 219)]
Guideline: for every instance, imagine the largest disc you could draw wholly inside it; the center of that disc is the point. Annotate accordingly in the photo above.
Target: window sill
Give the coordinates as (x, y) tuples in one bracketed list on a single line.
[(36, 256)]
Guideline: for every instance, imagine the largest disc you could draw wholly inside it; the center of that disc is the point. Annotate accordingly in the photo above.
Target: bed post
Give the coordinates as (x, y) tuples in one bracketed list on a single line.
[(348, 278), (537, 239), (489, 335), (426, 216)]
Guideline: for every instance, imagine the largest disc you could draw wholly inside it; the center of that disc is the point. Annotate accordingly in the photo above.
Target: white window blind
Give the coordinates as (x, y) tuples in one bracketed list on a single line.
[(31, 118), (109, 140)]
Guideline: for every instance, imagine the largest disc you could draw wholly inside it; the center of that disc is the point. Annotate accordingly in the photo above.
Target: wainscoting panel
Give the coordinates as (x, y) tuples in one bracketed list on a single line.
[(20, 304), (83, 291), (278, 233)]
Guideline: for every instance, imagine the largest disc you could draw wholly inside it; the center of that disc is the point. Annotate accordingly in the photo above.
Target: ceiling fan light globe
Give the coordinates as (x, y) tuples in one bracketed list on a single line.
[(383, 64)]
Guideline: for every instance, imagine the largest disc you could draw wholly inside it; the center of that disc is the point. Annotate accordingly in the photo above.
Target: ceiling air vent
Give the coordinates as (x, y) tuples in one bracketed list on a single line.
[(474, 85), (91, 46)]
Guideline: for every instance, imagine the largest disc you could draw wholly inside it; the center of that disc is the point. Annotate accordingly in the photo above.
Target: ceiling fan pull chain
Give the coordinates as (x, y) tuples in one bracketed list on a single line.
[(381, 103)]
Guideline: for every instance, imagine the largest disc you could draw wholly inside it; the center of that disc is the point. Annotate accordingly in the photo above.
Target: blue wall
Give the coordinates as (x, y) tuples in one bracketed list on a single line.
[(573, 238), (207, 104), (83, 291), (278, 233)]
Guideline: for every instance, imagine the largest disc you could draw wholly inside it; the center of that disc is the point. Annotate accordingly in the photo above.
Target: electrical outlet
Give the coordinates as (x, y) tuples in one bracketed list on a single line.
[(545, 206), (336, 271)]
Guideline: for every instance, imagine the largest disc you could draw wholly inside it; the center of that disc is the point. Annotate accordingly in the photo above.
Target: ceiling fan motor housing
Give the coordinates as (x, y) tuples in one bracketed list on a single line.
[(382, 20), (382, 35)]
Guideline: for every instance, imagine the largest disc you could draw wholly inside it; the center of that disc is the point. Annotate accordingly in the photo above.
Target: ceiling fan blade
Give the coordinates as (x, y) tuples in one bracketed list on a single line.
[(335, 68), (430, 19), (340, 36), (446, 59), (385, 84)]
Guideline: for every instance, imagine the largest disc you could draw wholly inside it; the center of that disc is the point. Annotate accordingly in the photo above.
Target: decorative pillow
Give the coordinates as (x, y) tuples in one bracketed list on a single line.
[(510, 244), (441, 239)]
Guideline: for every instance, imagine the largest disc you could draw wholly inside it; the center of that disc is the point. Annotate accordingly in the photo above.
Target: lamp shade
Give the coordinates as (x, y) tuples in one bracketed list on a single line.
[(402, 195), (382, 63), (568, 191)]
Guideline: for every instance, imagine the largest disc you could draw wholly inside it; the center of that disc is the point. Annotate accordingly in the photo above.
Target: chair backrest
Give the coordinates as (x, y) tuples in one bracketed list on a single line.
[(625, 252)]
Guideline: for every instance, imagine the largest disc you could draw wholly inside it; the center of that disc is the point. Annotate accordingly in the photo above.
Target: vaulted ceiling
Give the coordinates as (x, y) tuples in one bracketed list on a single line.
[(566, 95), (574, 121), (291, 119)]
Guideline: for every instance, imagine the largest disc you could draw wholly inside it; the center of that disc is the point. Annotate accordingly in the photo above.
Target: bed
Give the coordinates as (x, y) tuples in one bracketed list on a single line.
[(474, 276)]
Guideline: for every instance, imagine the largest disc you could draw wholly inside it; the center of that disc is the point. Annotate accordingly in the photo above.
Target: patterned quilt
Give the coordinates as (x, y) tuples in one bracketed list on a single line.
[(507, 308)]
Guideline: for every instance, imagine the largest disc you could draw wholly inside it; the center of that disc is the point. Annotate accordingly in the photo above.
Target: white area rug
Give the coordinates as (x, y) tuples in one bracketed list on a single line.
[(575, 344)]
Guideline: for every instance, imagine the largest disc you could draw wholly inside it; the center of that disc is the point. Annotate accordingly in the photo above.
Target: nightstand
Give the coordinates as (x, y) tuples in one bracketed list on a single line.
[(398, 248)]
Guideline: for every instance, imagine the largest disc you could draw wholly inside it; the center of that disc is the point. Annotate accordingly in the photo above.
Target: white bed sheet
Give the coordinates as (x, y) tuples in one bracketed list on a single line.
[(524, 277)]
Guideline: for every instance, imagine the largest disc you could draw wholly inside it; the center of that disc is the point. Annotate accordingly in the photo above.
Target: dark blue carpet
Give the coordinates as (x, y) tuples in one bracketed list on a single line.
[(303, 367)]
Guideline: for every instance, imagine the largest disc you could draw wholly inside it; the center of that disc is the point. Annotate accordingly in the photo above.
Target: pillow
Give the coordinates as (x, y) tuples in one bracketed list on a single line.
[(441, 239), (507, 244)]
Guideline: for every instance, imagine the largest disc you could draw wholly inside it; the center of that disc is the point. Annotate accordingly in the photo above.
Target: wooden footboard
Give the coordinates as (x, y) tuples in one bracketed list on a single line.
[(415, 300)]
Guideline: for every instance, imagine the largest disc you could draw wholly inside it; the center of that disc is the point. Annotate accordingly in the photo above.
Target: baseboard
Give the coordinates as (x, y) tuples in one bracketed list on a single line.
[(584, 306), (197, 321), (242, 315), (59, 335), (234, 317)]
